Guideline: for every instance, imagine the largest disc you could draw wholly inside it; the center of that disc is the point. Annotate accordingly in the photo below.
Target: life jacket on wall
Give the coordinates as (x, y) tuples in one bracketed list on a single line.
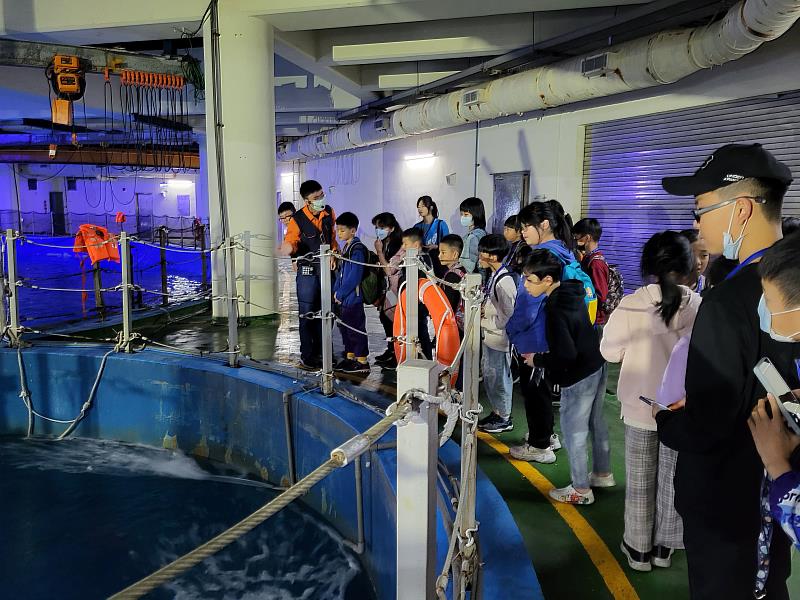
[(97, 242)]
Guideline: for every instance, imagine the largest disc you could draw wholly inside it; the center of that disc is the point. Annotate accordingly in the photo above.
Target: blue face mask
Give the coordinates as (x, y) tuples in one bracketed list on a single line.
[(765, 322), (731, 247), (466, 220), (381, 234)]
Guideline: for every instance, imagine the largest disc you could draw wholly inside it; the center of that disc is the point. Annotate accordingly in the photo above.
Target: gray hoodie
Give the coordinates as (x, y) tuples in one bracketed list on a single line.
[(498, 308)]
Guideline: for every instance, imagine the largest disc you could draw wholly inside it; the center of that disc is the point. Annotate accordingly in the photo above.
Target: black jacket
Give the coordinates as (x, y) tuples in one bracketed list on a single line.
[(718, 475), (574, 345)]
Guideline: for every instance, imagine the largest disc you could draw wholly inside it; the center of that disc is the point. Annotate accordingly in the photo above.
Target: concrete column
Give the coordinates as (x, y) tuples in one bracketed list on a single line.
[(248, 115)]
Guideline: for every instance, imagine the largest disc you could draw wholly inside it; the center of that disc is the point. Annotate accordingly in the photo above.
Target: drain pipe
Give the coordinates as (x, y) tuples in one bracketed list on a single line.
[(658, 59)]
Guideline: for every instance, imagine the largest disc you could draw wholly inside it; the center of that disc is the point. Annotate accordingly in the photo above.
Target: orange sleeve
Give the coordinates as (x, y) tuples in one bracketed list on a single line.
[(334, 241), (292, 235)]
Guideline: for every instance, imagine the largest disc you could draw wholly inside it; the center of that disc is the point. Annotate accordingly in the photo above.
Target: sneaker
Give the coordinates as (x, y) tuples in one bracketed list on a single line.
[(357, 368), (661, 556), (389, 365), (555, 443), (569, 495), (531, 453), (602, 481), (343, 365), (387, 356), (311, 365), (638, 561), (487, 420), (497, 425)]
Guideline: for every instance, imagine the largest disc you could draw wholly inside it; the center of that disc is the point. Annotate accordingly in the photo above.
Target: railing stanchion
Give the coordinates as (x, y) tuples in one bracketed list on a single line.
[(233, 305), (246, 271), (162, 241), (203, 261), (327, 318), (412, 304), (99, 301), (14, 330), (125, 257)]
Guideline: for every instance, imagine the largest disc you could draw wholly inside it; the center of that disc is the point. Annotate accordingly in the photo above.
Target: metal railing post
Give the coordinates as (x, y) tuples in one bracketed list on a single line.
[(469, 446), (246, 271), (180, 222), (203, 261), (14, 330), (97, 280), (417, 452), (233, 305), (327, 319), (412, 304), (127, 289), (162, 241)]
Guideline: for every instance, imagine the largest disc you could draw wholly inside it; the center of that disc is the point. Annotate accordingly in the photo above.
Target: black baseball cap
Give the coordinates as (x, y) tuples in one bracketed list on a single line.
[(728, 165)]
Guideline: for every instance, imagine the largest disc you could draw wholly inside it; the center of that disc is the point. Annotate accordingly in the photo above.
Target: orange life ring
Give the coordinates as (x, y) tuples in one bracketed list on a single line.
[(97, 242), (444, 321)]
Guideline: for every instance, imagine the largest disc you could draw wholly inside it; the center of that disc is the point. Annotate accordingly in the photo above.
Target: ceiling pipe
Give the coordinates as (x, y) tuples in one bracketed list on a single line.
[(658, 59)]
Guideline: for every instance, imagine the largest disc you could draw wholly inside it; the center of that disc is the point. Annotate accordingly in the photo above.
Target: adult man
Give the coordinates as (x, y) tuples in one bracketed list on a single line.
[(308, 229), (738, 193)]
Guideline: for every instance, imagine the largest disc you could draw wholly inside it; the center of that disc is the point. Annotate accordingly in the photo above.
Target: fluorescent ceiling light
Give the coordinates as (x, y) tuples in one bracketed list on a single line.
[(286, 175), (420, 156), (180, 183)]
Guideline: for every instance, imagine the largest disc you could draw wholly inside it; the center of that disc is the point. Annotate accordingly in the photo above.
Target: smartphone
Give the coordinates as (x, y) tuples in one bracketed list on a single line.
[(652, 402), (772, 381)]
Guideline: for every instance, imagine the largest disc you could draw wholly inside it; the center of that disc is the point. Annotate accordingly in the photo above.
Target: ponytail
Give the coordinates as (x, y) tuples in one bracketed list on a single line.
[(667, 256), (552, 212)]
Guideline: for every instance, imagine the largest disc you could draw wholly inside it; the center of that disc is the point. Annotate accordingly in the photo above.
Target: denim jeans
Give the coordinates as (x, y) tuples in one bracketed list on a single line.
[(497, 382), (582, 414)]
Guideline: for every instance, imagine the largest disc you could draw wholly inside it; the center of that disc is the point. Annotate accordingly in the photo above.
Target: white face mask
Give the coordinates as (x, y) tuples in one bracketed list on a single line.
[(466, 220), (765, 322), (731, 247)]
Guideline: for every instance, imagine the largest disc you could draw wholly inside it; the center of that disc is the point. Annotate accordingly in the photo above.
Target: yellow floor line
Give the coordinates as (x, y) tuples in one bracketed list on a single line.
[(610, 570)]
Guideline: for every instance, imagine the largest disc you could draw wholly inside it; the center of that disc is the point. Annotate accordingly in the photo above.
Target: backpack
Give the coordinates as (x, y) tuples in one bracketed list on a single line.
[(616, 287), (572, 270), (515, 277), (373, 284), (462, 272)]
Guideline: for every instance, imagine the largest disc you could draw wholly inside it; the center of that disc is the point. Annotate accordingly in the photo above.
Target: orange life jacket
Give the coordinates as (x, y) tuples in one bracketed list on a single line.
[(97, 242)]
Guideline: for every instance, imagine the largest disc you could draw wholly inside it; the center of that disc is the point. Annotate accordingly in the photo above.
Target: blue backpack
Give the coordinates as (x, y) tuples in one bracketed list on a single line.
[(572, 270)]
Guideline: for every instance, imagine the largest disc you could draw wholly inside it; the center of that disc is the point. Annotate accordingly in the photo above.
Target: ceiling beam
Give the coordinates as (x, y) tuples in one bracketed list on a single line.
[(168, 159)]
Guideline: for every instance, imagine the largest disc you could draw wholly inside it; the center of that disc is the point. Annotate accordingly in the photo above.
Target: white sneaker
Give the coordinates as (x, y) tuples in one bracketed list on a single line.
[(602, 481), (531, 453), (555, 443), (569, 495)]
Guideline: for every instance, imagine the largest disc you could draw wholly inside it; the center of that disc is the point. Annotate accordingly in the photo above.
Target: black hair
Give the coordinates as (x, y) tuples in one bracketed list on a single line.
[(668, 256), (286, 206), (474, 206), (512, 222), (542, 263), (309, 187), (772, 191), (780, 267), (387, 219), (691, 234), (347, 219), (495, 245), (552, 212), (789, 225), (719, 269), (428, 203), (588, 226), (453, 241), (413, 234)]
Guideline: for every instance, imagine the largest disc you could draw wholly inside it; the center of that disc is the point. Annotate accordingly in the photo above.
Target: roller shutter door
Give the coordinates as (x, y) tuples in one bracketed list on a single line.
[(625, 160)]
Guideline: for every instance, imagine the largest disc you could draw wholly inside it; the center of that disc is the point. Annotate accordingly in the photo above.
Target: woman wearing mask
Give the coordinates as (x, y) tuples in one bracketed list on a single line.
[(389, 240), (641, 334), (473, 217)]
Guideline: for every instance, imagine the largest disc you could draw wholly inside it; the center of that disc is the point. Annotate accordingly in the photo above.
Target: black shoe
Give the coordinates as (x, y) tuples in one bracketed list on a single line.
[(488, 419), (389, 365), (638, 561), (344, 365), (311, 365), (661, 556), (357, 368), (498, 425), (387, 356)]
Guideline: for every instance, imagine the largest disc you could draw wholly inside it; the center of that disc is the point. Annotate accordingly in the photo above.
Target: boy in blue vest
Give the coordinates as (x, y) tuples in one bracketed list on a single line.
[(347, 298)]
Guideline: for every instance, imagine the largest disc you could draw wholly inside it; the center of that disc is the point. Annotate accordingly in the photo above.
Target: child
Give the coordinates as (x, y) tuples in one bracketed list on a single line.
[(347, 297), (697, 280), (575, 363), (450, 248), (641, 334), (388, 243), (473, 217), (412, 239), (501, 293), (512, 231), (587, 234)]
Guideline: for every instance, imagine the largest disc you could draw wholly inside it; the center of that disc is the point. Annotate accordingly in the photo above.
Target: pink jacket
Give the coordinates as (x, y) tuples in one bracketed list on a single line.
[(636, 336)]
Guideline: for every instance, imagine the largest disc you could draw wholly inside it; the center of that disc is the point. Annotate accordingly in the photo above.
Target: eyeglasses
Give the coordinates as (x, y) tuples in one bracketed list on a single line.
[(285, 219), (699, 212)]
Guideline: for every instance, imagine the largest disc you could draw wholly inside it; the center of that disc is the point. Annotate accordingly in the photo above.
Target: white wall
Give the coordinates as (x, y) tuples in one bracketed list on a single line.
[(549, 145)]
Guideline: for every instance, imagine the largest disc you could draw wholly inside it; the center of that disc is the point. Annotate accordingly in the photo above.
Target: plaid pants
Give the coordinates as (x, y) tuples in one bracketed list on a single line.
[(650, 515)]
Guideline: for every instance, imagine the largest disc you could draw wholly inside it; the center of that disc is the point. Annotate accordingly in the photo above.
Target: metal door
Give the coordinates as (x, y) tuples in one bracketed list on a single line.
[(510, 195), (59, 224)]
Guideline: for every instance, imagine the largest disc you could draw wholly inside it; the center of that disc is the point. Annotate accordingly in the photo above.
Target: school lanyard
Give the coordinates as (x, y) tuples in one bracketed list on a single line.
[(746, 261)]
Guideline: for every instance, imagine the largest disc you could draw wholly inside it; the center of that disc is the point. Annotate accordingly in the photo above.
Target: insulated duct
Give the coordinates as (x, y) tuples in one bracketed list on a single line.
[(659, 59)]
